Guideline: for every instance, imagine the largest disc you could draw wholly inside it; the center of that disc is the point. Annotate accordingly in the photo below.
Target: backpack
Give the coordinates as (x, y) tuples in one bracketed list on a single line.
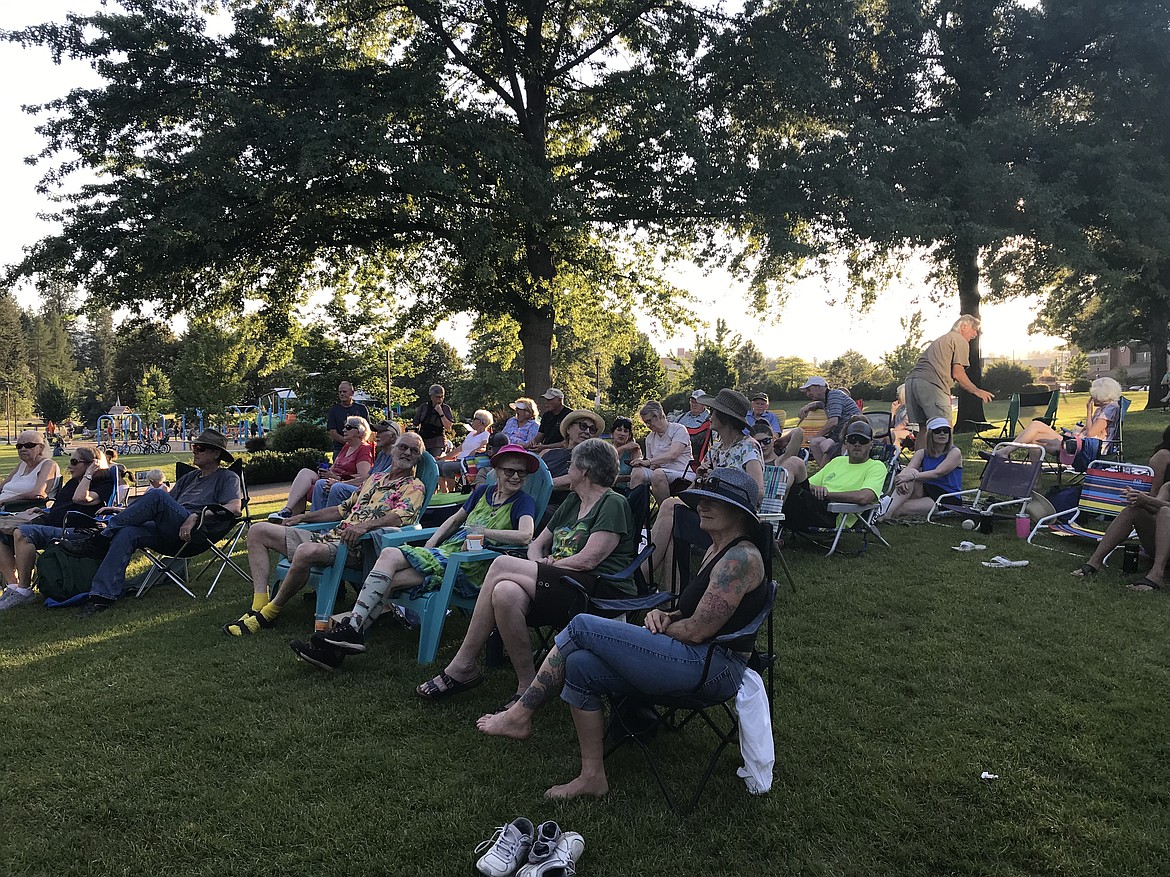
[(61, 575)]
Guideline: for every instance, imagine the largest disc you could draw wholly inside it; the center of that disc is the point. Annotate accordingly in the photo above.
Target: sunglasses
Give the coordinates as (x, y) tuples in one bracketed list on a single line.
[(942, 430), (718, 485), (73, 462), (198, 448), (585, 426), (521, 408), (509, 472), (22, 447), (857, 440), (349, 426), (764, 441)]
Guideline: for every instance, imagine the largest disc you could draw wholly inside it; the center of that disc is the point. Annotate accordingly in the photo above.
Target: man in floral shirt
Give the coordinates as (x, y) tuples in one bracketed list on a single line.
[(387, 499)]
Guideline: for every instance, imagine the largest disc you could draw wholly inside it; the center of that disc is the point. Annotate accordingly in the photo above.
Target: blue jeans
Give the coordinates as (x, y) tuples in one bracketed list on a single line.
[(605, 656), (153, 521), (336, 495), (40, 535)]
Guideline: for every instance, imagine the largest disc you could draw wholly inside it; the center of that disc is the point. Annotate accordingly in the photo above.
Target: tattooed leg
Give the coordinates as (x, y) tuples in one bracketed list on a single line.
[(516, 720)]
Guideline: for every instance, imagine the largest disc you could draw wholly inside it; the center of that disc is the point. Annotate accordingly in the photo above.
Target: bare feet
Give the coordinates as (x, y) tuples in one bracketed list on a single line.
[(514, 722), (597, 785)]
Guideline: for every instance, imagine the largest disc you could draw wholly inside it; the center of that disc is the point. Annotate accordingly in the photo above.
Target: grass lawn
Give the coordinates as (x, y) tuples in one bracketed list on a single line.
[(145, 741)]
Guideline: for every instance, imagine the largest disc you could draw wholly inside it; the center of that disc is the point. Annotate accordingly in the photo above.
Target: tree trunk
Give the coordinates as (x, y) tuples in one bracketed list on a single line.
[(536, 318), (1158, 343), (966, 262)]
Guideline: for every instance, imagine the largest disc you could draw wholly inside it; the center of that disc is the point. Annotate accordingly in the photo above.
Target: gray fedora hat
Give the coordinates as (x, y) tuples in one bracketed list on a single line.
[(729, 402), (732, 486)]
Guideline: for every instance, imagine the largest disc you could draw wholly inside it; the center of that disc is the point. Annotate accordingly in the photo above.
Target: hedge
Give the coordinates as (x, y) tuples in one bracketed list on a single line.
[(268, 467)]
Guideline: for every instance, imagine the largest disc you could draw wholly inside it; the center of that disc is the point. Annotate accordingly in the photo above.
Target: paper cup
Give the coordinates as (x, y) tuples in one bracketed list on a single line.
[(475, 542)]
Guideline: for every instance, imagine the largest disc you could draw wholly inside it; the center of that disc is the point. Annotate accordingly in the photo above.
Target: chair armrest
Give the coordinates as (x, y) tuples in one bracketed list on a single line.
[(633, 604)]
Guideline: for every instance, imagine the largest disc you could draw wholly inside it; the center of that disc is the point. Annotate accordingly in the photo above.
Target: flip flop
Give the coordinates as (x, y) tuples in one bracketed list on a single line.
[(1084, 571), (1001, 562), (431, 691), (968, 546), (1144, 585)]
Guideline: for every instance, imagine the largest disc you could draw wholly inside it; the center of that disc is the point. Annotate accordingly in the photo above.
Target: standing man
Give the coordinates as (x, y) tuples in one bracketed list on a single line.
[(839, 407), (341, 411), (698, 415), (943, 363), (760, 412), (432, 420), (550, 435)]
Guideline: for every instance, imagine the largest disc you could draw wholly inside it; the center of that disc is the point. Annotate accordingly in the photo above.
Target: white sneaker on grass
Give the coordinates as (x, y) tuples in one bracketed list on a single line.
[(562, 862), (506, 849)]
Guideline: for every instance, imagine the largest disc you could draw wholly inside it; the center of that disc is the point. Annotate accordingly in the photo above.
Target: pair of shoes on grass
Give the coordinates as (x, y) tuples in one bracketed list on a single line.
[(326, 649), (526, 850)]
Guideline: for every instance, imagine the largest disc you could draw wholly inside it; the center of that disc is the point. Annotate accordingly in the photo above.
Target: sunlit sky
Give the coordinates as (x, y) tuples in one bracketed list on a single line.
[(810, 326)]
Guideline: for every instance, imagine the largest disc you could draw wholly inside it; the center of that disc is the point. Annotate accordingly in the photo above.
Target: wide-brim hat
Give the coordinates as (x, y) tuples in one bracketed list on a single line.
[(729, 402), (732, 486), (582, 414), (213, 438), (530, 459)]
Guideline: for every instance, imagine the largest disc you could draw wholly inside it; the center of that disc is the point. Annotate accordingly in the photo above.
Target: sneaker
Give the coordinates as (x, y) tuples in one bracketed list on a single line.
[(342, 636), (547, 835), (319, 656), (90, 546), (563, 860), (278, 517), (11, 598), (506, 849)]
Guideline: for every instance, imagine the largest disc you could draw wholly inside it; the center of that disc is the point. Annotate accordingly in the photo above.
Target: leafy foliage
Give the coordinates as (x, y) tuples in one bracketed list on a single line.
[(267, 467), (1005, 378), (53, 402), (297, 435), (905, 356), (636, 378)]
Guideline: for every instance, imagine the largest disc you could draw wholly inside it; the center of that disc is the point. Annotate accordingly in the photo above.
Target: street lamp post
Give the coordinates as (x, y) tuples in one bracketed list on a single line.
[(597, 380), (8, 410)]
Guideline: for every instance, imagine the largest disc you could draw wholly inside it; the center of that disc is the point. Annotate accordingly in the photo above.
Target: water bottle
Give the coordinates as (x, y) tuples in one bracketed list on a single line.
[(1023, 525)]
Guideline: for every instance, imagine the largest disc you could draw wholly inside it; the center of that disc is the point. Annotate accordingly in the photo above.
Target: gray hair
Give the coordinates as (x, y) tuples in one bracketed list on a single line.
[(901, 393), (363, 425), (37, 435), (598, 460), (651, 407), (436, 389), (967, 320), (484, 415), (1105, 390), (155, 475)]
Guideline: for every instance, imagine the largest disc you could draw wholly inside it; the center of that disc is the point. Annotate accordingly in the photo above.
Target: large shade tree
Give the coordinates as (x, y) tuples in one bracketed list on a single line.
[(469, 153)]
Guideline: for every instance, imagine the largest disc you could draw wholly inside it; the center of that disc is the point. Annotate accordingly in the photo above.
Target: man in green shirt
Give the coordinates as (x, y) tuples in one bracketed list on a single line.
[(852, 478)]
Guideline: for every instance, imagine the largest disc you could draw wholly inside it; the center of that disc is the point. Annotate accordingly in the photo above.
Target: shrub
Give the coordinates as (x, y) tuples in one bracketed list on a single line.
[(1081, 385), (1035, 388), (299, 434), (259, 443), (266, 467), (1005, 378), (867, 392)]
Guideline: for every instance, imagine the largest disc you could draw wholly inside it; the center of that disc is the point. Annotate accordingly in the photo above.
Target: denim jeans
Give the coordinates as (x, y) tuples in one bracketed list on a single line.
[(40, 535), (153, 521), (605, 656), (335, 496)]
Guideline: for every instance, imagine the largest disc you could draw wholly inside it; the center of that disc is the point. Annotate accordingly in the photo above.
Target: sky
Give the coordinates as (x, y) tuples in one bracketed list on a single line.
[(817, 323)]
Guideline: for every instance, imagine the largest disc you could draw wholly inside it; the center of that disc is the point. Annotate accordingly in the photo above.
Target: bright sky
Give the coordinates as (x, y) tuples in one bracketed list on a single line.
[(810, 326)]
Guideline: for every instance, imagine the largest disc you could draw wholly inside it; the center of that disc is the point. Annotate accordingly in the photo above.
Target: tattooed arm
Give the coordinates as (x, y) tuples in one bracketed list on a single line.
[(741, 570)]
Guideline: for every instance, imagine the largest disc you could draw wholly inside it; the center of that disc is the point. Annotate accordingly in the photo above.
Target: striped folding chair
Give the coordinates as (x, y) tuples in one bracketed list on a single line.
[(1102, 500)]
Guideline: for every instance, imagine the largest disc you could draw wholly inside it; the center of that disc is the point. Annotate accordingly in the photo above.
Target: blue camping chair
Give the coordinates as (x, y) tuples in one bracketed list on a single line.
[(432, 606), (327, 580)]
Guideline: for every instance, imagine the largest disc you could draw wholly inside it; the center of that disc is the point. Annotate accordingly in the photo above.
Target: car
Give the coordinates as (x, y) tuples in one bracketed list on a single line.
[(1140, 389)]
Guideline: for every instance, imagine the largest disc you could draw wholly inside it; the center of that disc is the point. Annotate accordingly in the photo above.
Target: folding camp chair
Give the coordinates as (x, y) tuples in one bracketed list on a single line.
[(700, 439), (772, 510), (223, 549), (327, 580), (1023, 408), (673, 713), (1101, 501), (432, 607), (1004, 490), (1114, 450)]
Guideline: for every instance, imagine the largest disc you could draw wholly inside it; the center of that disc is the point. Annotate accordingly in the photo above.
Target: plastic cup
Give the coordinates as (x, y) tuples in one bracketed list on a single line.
[(474, 541)]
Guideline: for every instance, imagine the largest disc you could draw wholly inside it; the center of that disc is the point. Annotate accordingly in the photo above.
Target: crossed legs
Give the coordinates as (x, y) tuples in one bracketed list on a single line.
[(1153, 532)]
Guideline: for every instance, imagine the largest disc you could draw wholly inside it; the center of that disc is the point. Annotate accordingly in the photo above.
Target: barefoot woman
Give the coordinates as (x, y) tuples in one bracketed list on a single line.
[(596, 656)]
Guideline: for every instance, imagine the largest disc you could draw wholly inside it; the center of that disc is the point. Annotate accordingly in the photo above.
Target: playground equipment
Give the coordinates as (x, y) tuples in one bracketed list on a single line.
[(272, 409)]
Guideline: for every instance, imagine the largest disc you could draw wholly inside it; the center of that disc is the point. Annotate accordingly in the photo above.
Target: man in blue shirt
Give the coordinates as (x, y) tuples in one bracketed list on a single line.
[(698, 415), (760, 412)]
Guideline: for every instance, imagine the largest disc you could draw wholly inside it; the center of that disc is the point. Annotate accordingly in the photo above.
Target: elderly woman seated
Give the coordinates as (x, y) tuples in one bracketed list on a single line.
[(667, 655), (1102, 417), (29, 481), (590, 535), (88, 489), (473, 445), (667, 464), (351, 465), (934, 470), (502, 513)]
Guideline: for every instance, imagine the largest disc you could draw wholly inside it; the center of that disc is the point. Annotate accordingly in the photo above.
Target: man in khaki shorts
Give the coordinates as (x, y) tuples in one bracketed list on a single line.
[(943, 363), (388, 499)]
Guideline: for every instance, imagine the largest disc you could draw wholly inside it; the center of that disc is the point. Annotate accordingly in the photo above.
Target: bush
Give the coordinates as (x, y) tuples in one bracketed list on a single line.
[(1081, 385), (297, 435), (867, 392), (1005, 378), (1035, 388), (267, 467), (259, 443)]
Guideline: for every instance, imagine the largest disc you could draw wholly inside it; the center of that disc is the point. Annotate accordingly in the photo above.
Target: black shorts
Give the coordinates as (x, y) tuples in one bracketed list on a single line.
[(803, 511), (932, 491), (556, 601)]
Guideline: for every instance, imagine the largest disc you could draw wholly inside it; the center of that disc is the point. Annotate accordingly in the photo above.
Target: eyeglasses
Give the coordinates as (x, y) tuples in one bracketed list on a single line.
[(857, 440), (198, 448), (718, 485), (26, 446), (585, 426), (509, 472), (73, 462), (407, 449)]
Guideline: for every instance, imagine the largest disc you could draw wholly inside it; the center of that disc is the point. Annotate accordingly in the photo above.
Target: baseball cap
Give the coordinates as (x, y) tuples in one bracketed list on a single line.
[(763, 396), (698, 393), (816, 381), (859, 427), (387, 425), (552, 393)]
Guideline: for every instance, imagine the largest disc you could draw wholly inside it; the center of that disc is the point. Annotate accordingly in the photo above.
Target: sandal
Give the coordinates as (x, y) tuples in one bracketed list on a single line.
[(247, 624), (507, 704), (1085, 570), (1144, 585), (443, 687)]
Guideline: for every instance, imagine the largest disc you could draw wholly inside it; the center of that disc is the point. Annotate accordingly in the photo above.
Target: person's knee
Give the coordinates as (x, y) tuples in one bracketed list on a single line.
[(510, 598), (309, 554)]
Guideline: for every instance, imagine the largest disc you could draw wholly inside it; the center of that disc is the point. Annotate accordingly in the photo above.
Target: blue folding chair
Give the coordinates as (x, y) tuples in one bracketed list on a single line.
[(327, 580), (432, 606)]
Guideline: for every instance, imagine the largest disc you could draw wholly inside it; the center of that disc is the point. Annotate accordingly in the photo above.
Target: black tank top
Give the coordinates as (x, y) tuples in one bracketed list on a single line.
[(748, 608)]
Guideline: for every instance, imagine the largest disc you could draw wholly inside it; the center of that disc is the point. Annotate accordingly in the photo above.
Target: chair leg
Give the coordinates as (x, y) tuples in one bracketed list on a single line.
[(787, 571)]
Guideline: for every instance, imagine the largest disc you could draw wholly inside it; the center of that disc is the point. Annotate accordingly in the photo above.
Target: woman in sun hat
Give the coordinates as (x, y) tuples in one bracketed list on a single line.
[(667, 655)]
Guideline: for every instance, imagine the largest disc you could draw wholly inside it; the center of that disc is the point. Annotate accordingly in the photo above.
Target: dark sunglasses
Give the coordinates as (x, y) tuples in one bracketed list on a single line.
[(198, 448), (349, 426), (764, 441), (942, 430), (715, 484), (585, 426), (512, 473), (73, 462), (857, 440), (21, 447)]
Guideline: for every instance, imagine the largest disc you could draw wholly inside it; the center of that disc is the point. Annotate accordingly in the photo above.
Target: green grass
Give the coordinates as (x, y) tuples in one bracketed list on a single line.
[(146, 742)]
